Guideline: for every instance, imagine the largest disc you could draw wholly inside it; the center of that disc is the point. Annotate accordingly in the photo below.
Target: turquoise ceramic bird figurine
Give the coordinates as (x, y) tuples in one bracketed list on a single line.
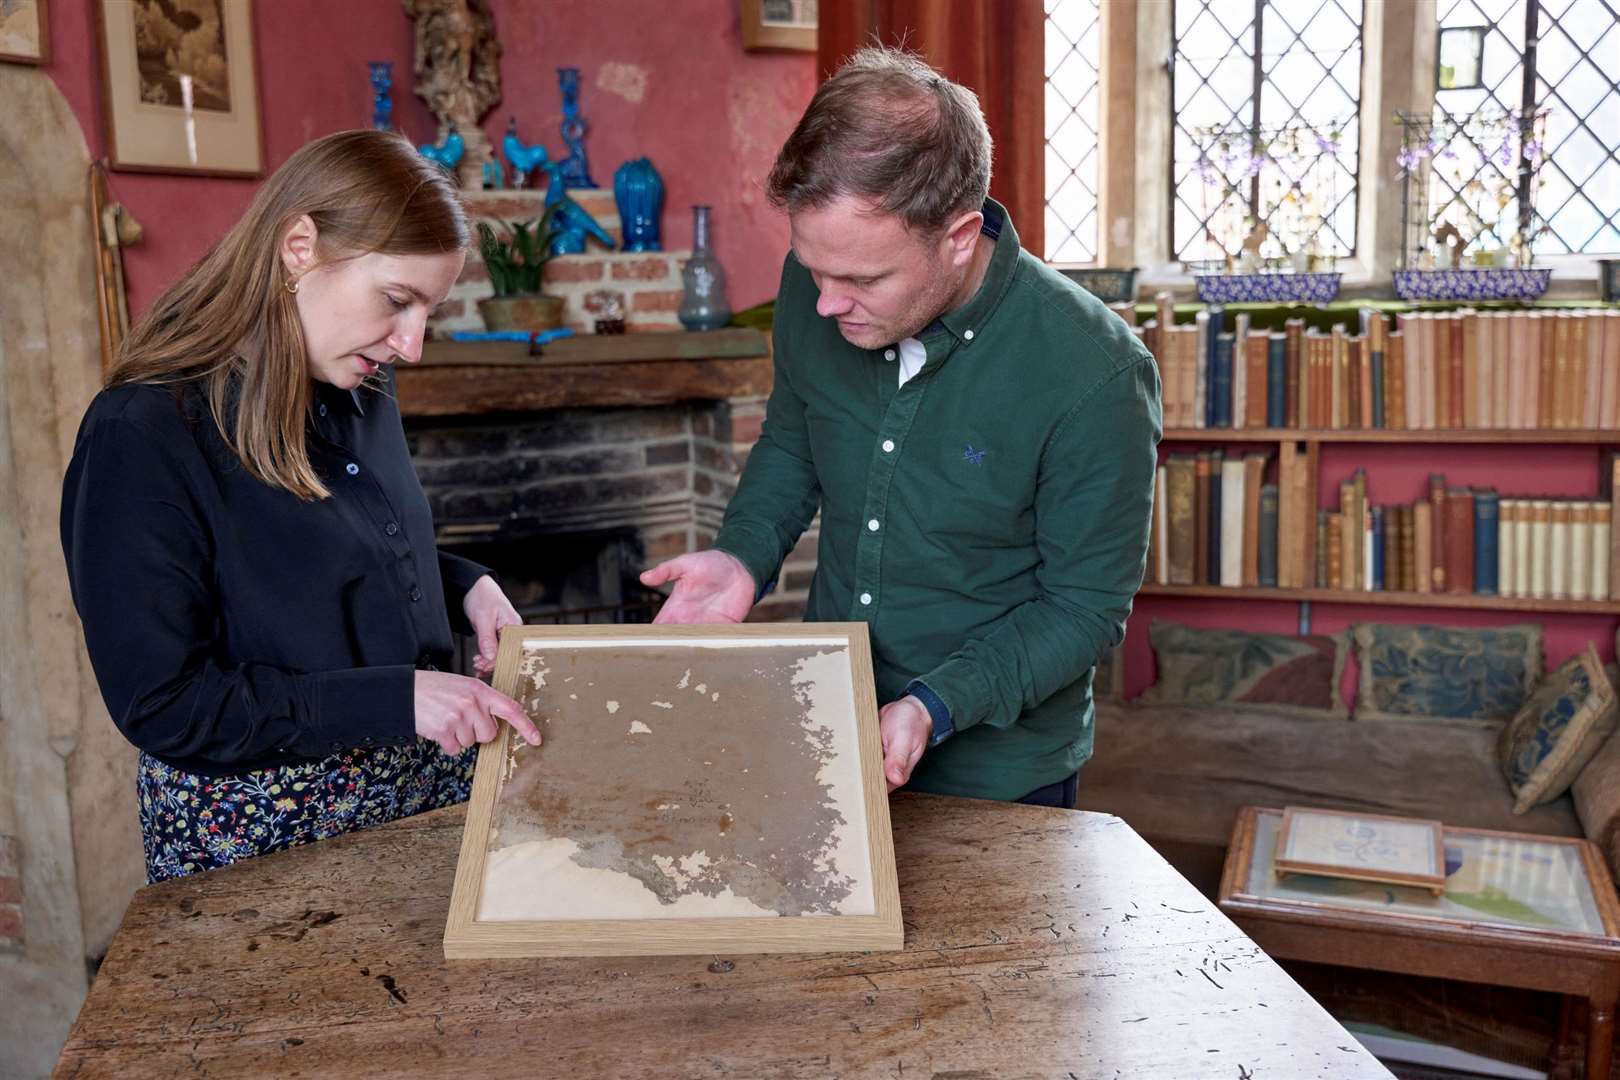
[(523, 158), (447, 153), (571, 222)]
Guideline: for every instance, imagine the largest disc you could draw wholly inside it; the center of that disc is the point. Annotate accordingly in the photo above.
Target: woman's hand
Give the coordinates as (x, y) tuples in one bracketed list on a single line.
[(488, 610), (457, 712)]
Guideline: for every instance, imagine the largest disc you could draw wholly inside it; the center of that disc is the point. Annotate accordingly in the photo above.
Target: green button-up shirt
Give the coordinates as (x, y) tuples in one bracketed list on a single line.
[(988, 520)]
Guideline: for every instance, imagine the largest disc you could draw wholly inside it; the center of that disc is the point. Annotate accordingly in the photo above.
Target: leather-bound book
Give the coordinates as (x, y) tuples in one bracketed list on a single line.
[(1181, 530), (1458, 550), (1422, 546)]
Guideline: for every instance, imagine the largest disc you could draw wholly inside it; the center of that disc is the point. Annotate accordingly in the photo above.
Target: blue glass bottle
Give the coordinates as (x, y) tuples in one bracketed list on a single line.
[(704, 305)]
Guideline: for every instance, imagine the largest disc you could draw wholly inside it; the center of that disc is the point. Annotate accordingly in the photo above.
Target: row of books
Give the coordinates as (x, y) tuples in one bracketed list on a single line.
[(1216, 522), (1496, 370)]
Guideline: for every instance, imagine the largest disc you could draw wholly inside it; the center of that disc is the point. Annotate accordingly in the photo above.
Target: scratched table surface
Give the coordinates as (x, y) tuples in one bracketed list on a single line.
[(1038, 943)]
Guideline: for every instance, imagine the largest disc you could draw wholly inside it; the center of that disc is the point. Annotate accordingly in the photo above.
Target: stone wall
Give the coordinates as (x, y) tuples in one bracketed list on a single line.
[(70, 850)]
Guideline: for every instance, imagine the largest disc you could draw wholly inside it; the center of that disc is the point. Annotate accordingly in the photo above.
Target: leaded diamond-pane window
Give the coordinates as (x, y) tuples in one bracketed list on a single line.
[(1559, 59), (1073, 57), (1266, 133)]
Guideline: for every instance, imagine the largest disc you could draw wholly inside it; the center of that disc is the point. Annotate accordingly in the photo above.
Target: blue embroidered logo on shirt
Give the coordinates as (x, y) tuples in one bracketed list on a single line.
[(972, 456)]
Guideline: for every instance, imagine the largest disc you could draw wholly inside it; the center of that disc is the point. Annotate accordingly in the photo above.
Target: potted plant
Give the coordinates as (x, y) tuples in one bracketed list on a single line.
[(516, 258)]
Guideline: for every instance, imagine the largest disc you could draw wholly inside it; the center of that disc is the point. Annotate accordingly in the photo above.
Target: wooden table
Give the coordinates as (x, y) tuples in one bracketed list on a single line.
[(1038, 943), (1329, 931)]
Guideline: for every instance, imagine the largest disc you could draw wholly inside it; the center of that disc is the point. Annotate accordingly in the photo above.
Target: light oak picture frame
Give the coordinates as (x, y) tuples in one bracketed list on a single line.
[(652, 807), (1363, 847), (180, 98)]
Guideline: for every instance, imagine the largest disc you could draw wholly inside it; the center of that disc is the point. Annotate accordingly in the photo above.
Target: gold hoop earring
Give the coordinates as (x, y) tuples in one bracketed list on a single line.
[(291, 285)]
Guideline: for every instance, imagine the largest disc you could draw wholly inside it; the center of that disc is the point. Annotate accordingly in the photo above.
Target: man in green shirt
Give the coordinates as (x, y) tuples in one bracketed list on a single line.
[(978, 433)]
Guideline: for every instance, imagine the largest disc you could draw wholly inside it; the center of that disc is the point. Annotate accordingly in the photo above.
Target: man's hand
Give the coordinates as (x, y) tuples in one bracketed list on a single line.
[(905, 727), (710, 587), (488, 610)]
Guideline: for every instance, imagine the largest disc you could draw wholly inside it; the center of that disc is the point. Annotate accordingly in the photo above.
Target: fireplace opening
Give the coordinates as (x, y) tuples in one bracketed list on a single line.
[(556, 579)]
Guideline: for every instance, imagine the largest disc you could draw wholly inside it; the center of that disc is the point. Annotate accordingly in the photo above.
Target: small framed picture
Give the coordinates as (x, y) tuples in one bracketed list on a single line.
[(25, 32), (1363, 847), (779, 24), (179, 87)]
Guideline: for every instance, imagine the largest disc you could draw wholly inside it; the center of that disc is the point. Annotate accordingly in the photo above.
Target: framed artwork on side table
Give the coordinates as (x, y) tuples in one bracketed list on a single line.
[(25, 32), (697, 789), (779, 24), (1363, 847), (179, 87)]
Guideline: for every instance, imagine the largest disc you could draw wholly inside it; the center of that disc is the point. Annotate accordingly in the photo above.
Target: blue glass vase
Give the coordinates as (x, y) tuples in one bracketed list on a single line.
[(703, 305), (639, 191)]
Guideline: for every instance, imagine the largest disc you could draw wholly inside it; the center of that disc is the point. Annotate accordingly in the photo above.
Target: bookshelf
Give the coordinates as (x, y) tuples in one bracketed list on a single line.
[(1465, 601), (1385, 408), (1550, 437)]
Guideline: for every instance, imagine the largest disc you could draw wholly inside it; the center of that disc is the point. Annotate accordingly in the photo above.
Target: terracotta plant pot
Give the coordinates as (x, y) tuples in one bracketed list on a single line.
[(522, 313)]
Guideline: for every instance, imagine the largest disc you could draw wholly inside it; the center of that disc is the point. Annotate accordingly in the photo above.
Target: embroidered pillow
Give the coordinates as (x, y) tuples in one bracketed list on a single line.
[(1278, 672), (1563, 725), (1422, 672)]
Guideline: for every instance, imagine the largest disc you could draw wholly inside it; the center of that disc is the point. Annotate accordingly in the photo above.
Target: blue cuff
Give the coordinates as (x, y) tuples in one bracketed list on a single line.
[(938, 711)]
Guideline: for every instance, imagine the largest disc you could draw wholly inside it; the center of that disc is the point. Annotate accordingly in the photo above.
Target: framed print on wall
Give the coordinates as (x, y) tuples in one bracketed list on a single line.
[(779, 24), (179, 86), (697, 789), (25, 32)]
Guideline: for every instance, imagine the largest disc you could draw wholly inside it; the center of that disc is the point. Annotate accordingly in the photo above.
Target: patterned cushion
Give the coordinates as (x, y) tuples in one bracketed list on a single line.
[(1418, 672), (1270, 671), (1560, 728)]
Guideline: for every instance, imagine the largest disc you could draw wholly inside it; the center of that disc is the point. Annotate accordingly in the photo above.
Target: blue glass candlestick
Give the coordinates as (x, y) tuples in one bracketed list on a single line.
[(576, 171), (382, 102)]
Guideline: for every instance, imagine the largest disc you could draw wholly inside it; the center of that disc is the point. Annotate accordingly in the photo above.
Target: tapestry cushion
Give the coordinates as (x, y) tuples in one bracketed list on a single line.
[(1277, 672), (1560, 728), (1425, 672)]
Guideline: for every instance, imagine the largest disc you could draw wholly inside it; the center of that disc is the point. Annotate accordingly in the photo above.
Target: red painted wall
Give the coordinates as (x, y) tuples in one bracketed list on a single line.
[(710, 116)]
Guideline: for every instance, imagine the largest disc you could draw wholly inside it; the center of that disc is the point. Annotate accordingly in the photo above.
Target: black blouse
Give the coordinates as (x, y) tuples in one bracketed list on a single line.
[(233, 626)]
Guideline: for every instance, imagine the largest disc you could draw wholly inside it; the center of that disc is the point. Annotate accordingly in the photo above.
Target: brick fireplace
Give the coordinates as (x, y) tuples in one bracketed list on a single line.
[(649, 281), (561, 501), (570, 478)]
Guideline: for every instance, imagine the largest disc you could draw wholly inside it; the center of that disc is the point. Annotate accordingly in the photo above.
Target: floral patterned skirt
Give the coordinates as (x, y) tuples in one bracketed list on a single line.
[(191, 822)]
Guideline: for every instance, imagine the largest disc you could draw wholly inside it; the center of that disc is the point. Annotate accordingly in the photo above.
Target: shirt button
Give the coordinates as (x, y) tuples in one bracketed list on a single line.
[(888, 446), (352, 469), (416, 594), (866, 598), (873, 524), (391, 528), (967, 335), (321, 408), (888, 354)]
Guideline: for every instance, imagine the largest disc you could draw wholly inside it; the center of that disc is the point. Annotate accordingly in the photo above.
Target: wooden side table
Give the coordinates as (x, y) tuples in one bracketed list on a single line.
[(1520, 910)]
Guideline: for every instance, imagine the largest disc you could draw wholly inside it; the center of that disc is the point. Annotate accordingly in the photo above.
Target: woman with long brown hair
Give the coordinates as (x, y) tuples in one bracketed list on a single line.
[(249, 548)]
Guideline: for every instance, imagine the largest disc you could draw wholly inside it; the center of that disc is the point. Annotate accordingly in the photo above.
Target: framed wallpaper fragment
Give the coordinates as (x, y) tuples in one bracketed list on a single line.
[(698, 789)]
